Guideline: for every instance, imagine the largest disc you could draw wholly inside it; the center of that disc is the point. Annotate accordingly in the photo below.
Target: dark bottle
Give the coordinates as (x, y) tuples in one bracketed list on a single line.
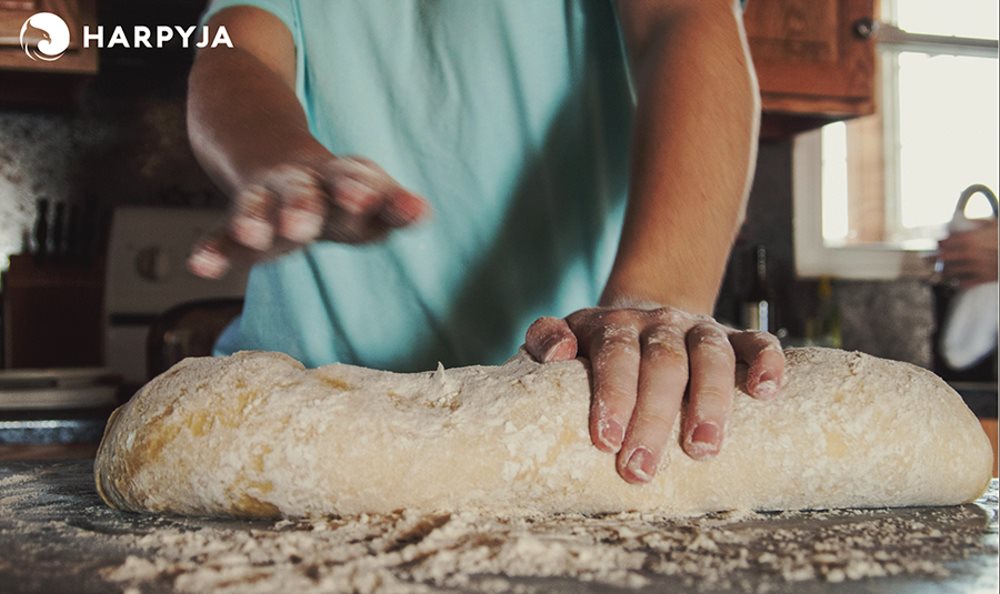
[(42, 230), (757, 305), (824, 328)]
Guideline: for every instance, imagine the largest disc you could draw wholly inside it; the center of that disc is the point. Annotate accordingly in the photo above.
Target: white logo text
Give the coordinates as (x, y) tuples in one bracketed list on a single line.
[(150, 37)]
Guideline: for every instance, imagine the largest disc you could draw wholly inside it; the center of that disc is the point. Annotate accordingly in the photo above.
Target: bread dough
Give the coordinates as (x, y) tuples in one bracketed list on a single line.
[(255, 434)]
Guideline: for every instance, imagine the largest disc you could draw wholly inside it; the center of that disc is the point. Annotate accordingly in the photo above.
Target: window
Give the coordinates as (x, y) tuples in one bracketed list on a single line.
[(888, 183)]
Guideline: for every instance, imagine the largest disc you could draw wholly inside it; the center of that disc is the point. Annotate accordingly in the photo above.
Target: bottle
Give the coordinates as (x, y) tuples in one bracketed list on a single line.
[(825, 327), (756, 307), (41, 231)]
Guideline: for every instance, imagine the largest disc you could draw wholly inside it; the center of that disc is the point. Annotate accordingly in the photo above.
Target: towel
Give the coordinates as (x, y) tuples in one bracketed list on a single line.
[(971, 323)]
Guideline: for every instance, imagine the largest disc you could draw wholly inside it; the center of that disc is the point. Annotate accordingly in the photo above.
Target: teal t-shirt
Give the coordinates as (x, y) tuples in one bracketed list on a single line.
[(511, 117)]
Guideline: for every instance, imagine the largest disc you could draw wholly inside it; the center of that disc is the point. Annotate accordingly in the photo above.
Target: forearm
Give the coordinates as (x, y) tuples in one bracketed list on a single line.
[(693, 150), (243, 117)]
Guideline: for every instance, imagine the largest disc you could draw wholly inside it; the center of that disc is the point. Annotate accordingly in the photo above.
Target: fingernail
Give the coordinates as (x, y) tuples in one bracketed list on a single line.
[(767, 386), (640, 464), (704, 441), (706, 433), (302, 225), (551, 347), (253, 233), (611, 433)]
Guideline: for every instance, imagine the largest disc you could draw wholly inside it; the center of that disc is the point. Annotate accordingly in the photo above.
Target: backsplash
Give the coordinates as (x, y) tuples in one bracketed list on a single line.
[(124, 142), (889, 319), (893, 319)]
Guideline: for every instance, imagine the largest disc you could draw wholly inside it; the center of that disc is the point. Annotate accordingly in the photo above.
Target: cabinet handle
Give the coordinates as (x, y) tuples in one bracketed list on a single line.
[(864, 28)]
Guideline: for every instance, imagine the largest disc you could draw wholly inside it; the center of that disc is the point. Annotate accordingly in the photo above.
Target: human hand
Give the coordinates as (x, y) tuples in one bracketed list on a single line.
[(969, 257), (303, 199), (642, 362)]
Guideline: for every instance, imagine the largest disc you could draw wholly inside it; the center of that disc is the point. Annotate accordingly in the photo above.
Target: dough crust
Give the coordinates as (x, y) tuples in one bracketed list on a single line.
[(257, 435)]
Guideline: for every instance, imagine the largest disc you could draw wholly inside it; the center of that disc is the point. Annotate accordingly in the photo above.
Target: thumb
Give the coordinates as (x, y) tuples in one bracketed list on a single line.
[(550, 339)]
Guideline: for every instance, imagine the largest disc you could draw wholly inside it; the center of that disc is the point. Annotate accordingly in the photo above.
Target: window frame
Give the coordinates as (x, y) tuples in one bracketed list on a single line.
[(813, 257)]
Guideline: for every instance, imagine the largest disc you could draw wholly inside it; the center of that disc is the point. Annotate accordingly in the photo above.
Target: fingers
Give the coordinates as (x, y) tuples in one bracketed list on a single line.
[(713, 367), (367, 202), (663, 374), (250, 223), (213, 256), (976, 244), (969, 275), (265, 221), (287, 204), (354, 212), (968, 267), (762, 352), (613, 350), (550, 339), (642, 364), (301, 207), (208, 260), (402, 208)]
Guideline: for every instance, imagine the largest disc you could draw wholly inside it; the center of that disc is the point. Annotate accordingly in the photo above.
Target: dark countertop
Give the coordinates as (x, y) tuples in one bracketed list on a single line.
[(56, 535), (980, 397)]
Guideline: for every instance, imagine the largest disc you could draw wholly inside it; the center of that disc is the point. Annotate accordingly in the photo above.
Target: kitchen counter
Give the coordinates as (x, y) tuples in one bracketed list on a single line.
[(51, 434), (980, 397), (57, 536)]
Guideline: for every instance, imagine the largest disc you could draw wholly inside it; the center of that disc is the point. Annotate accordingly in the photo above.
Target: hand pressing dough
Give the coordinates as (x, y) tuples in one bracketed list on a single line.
[(255, 434)]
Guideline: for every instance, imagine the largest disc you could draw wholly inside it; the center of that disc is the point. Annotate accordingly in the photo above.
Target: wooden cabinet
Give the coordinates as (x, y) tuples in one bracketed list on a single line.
[(76, 13), (25, 82), (815, 61)]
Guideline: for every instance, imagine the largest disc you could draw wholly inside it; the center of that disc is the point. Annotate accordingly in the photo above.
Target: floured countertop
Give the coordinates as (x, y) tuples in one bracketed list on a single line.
[(57, 536)]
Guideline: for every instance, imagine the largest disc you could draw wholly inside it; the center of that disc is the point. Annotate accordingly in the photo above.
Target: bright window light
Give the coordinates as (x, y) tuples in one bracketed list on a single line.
[(835, 222), (961, 18), (939, 128), (947, 134)]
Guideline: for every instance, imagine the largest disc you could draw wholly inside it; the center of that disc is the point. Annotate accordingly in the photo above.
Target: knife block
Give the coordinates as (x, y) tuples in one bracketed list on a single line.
[(52, 314)]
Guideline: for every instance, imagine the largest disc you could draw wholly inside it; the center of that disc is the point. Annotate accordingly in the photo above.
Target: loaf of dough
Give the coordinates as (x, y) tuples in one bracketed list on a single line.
[(257, 435)]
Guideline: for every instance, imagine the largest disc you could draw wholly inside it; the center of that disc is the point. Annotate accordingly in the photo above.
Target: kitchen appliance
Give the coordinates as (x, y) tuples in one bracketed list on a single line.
[(147, 275), (54, 410), (52, 389)]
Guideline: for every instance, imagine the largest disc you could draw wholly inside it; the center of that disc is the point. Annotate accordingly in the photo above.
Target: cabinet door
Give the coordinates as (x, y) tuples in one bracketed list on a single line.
[(810, 57), (76, 13)]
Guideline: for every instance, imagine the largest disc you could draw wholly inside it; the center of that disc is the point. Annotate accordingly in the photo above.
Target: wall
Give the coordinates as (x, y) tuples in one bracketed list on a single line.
[(124, 142), (893, 319)]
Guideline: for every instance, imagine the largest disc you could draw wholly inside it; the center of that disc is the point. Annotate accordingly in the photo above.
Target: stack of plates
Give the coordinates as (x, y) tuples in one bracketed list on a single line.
[(49, 389)]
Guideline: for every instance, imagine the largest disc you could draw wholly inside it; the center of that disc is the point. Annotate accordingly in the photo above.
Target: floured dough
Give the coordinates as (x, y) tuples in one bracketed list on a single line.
[(256, 434)]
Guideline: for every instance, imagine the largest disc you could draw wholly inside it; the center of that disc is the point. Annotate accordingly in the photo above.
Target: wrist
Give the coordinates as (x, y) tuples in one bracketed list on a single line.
[(299, 150), (639, 296)]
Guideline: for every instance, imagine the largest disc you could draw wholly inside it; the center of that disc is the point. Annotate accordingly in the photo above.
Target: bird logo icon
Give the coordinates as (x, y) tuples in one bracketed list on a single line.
[(54, 34)]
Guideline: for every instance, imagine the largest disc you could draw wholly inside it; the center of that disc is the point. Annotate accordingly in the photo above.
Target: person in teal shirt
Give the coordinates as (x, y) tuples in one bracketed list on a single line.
[(424, 181)]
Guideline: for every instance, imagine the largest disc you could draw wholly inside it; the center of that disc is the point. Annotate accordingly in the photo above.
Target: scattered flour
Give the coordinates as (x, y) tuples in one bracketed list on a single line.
[(51, 523), (409, 552)]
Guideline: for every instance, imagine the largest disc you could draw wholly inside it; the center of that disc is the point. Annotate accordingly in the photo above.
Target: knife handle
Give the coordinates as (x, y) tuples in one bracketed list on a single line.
[(41, 230)]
